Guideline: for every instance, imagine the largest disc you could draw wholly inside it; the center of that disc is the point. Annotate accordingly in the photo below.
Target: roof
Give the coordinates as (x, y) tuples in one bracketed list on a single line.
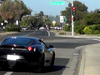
[(24, 37)]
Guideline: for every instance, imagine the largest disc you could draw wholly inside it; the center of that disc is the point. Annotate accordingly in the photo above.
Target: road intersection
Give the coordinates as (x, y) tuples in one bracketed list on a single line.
[(89, 58)]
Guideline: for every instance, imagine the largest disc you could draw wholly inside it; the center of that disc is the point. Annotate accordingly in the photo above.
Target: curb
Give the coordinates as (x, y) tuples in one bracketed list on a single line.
[(75, 36), (82, 62)]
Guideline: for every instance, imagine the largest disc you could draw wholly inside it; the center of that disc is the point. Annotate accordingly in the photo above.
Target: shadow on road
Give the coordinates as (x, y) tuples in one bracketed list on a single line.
[(59, 66)]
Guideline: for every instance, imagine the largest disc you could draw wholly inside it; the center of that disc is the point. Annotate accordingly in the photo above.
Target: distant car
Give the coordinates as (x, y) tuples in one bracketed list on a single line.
[(26, 51), (42, 28), (58, 28), (24, 28)]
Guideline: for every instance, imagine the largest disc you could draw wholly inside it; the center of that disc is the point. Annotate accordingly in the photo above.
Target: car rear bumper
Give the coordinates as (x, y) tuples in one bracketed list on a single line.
[(21, 61)]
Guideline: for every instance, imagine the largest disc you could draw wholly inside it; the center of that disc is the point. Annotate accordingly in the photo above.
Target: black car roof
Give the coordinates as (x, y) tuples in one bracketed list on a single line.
[(25, 37)]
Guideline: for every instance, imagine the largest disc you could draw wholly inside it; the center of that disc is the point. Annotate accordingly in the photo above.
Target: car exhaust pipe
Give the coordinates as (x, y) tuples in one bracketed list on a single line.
[(11, 63), (33, 63)]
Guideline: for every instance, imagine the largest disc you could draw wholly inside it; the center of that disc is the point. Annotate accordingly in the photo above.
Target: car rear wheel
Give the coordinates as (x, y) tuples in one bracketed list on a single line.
[(41, 67), (52, 62)]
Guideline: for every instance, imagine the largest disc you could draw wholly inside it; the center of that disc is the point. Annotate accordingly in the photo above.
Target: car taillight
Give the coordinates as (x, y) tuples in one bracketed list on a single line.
[(34, 49), (29, 48)]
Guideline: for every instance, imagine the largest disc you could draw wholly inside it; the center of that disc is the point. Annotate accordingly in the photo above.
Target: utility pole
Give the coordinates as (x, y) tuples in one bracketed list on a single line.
[(71, 16)]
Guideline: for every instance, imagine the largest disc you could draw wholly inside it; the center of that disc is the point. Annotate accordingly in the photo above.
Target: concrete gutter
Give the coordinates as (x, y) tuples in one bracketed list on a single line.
[(81, 62)]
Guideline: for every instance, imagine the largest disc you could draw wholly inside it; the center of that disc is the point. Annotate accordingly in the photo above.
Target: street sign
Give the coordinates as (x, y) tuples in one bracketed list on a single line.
[(61, 19), (57, 3), (54, 22), (64, 18)]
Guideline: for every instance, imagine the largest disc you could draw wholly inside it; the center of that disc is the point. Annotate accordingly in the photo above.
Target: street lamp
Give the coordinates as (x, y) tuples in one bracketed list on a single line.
[(71, 16)]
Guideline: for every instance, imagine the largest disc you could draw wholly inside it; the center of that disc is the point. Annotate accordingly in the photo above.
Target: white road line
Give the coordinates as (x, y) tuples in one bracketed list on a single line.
[(96, 39), (48, 33), (75, 54), (29, 34), (8, 73)]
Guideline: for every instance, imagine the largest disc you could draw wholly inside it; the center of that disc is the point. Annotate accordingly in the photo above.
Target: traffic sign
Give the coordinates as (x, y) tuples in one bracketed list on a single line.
[(57, 3), (62, 19), (54, 22)]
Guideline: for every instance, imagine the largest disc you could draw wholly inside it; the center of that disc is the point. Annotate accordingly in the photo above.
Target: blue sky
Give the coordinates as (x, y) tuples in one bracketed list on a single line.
[(44, 5)]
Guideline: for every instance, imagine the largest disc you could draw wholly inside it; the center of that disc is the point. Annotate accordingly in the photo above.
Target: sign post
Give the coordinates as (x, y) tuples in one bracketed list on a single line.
[(72, 4)]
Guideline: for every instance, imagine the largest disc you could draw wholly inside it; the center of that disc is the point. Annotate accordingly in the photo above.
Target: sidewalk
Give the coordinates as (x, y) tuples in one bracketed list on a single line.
[(90, 63)]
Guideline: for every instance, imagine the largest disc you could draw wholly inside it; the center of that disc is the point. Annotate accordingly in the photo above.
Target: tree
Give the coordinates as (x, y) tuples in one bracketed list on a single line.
[(81, 10), (13, 10), (92, 18), (29, 21), (79, 6)]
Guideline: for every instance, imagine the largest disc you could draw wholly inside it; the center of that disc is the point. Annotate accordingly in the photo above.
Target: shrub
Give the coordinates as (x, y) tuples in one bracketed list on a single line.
[(77, 23), (87, 30), (97, 32), (97, 27), (79, 29), (62, 33), (92, 27), (11, 27), (67, 27)]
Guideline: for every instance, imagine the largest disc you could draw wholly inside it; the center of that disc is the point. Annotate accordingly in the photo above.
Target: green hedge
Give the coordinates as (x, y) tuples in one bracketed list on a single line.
[(92, 29), (11, 27), (67, 28), (79, 29), (87, 30)]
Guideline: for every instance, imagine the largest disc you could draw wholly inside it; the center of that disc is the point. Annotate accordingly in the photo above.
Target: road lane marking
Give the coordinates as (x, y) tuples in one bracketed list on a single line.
[(75, 54), (29, 34), (48, 33), (8, 73), (96, 39)]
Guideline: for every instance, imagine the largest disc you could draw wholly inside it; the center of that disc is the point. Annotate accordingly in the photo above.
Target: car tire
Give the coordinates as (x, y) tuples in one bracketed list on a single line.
[(52, 62), (41, 67)]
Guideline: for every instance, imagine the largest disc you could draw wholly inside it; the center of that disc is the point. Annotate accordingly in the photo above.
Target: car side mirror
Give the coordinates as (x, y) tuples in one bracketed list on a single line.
[(50, 46)]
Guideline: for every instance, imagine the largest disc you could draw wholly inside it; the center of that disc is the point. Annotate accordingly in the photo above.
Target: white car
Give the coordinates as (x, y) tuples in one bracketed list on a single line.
[(41, 28), (24, 28)]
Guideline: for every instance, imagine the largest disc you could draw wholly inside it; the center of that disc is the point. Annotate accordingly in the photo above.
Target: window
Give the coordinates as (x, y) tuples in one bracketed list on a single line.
[(42, 43), (19, 41)]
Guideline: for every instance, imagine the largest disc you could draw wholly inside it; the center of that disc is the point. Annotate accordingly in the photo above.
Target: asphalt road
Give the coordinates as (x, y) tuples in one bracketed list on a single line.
[(67, 53)]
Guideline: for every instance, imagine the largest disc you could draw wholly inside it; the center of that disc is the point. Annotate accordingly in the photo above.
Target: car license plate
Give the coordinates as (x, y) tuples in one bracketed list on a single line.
[(12, 57)]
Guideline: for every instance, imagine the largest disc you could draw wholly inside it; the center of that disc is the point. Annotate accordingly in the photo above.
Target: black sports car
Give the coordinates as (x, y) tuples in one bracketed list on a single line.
[(26, 51)]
